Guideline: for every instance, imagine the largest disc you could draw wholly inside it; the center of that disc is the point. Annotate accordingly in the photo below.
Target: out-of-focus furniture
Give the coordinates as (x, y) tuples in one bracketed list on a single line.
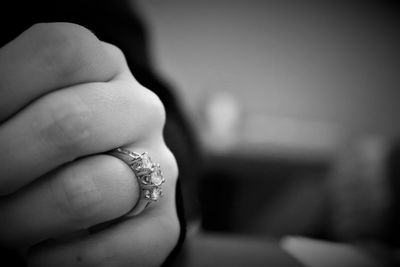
[(211, 250), (241, 195)]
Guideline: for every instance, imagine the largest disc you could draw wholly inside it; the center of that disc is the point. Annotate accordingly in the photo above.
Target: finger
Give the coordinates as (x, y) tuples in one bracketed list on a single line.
[(49, 56), (140, 241), (143, 240), (79, 195), (71, 123)]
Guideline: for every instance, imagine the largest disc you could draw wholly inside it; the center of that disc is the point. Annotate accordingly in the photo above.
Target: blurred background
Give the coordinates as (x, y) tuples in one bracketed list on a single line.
[(296, 107)]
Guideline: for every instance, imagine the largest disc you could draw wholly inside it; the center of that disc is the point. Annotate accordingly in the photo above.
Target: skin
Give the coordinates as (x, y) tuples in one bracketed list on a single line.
[(65, 98)]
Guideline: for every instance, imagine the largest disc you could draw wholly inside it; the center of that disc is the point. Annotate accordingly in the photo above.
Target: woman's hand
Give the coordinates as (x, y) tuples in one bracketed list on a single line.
[(65, 98)]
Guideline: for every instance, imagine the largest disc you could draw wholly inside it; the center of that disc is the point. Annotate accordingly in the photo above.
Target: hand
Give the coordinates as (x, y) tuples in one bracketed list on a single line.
[(65, 98)]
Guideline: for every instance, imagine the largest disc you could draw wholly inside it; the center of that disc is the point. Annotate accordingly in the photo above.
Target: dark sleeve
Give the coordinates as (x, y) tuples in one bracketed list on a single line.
[(393, 172)]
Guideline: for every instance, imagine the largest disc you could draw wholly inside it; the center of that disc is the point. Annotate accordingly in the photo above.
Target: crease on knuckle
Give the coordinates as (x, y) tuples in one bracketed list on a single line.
[(64, 47), (66, 126), (80, 198)]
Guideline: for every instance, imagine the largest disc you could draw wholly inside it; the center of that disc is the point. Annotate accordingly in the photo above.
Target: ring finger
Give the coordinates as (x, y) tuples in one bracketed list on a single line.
[(76, 196)]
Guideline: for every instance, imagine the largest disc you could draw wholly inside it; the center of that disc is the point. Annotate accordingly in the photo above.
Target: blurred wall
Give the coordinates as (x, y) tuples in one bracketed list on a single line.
[(314, 71)]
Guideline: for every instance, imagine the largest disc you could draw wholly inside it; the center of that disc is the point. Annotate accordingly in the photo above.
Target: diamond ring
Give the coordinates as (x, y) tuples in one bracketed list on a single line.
[(148, 175)]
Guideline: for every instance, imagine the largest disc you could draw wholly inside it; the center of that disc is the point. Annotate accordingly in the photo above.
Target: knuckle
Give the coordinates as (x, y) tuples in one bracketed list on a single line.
[(115, 52), (89, 196), (154, 109), (65, 125), (81, 199), (63, 47)]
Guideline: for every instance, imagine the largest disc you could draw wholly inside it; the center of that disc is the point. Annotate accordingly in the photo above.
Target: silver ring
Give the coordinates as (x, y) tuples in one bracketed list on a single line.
[(148, 175)]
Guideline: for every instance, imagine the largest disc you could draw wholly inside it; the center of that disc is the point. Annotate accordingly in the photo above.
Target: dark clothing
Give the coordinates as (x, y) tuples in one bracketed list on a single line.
[(393, 171), (117, 22)]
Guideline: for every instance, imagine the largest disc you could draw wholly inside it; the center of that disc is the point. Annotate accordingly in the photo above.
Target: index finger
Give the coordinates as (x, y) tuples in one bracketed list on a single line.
[(49, 56)]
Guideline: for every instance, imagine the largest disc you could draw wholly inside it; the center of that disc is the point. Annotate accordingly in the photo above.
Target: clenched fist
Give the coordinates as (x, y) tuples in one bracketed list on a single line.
[(65, 99)]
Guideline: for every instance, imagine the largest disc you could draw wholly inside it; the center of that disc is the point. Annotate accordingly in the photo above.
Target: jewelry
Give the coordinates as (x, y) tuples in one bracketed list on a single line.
[(148, 175)]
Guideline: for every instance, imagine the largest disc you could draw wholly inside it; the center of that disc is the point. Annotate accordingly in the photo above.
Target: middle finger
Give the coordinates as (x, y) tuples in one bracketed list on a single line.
[(75, 122)]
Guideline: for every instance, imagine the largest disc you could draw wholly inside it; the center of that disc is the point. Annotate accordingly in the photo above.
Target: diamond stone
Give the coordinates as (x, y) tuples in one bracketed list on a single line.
[(156, 176), (146, 161), (156, 193), (153, 193), (147, 193), (143, 166)]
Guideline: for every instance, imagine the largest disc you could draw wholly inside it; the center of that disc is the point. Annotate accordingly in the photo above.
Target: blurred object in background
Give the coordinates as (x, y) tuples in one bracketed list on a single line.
[(222, 120), (290, 137), (361, 197), (319, 253), (360, 190)]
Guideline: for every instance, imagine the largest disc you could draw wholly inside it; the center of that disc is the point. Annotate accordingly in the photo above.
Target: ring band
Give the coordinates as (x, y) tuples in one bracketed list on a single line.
[(148, 175)]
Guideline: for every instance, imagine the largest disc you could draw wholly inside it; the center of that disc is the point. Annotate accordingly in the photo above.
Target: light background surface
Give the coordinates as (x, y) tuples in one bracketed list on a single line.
[(305, 74)]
